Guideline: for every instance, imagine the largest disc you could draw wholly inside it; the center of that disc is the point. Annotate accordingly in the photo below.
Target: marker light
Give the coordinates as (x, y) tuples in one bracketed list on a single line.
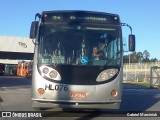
[(115, 18), (106, 74), (41, 91), (114, 93)]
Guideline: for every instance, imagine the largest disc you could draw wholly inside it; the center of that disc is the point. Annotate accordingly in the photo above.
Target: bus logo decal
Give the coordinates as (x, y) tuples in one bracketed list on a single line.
[(22, 44), (78, 95)]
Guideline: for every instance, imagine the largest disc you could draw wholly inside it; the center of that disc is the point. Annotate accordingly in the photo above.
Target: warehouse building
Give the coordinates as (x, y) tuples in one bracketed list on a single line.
[(15, 49)]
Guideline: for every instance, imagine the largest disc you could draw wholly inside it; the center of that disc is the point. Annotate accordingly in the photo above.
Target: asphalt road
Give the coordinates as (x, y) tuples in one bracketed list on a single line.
[(15, 94)]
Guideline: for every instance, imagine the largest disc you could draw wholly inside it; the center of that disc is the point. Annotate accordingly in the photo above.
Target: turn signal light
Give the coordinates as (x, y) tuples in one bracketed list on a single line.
[(114, 93), (41, 91)]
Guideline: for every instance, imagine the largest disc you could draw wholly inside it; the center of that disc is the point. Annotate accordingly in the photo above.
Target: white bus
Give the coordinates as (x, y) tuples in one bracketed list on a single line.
[(78, 60)]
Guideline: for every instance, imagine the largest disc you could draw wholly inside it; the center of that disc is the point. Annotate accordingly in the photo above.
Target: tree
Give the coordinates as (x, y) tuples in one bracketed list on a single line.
[(146, 56), (139, 56), (136, 57), (133, 57), (154, 60), (125, 59)]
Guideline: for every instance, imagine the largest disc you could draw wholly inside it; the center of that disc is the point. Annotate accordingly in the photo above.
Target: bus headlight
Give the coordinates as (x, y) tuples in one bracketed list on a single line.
[(45, 70), (106, 74), (53, 74), (50, 73)]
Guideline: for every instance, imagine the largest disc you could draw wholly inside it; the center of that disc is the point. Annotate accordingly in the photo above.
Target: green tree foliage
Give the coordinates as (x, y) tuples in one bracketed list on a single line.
[(137, 57), (146, 56)]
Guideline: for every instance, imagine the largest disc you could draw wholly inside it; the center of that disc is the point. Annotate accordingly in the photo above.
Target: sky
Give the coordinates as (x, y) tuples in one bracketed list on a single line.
[(142, 15)]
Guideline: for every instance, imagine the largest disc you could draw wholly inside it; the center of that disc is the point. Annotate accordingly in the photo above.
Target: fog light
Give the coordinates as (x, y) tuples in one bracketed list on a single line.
[(114, 93), (41, 91)]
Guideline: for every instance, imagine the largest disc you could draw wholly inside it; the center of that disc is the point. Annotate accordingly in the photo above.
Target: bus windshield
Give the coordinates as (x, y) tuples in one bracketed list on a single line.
[(79, 44)]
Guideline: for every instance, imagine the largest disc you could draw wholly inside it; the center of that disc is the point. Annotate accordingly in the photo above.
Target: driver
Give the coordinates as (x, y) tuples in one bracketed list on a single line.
[(97, 55)]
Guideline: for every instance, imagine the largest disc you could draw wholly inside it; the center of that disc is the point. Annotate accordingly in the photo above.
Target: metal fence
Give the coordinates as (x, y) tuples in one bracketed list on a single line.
[(138, 72), (155, 77)]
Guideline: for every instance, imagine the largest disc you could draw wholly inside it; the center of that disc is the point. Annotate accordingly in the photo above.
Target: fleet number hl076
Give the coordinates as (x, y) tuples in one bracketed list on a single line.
[(56, 87)]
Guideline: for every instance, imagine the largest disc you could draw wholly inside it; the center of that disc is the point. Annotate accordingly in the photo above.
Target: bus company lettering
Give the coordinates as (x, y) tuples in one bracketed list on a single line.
[(78, 95)]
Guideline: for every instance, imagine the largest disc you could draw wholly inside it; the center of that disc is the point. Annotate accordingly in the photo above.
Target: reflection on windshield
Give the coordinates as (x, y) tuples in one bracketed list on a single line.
[(81, 45)]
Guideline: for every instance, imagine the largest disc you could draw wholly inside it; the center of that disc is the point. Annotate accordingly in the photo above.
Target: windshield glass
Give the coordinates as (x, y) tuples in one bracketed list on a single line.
[(82, 44)]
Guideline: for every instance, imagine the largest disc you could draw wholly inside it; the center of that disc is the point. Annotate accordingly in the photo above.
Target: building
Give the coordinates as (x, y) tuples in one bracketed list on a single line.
[(15, 49)]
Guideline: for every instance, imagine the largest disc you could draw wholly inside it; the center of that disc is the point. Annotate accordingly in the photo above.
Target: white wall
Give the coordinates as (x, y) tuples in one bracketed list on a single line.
[(16, 44)]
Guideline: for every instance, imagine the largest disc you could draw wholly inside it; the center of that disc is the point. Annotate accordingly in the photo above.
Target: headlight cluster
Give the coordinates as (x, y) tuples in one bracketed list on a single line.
[(106, 74), (50, 73)]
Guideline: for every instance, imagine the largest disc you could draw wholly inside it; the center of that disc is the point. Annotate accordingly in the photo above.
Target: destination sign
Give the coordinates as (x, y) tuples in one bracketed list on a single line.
[(88, 18), (80, 17), (74, 18)]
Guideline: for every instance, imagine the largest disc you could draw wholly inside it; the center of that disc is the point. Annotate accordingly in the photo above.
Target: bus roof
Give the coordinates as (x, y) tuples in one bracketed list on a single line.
[(78, 11)]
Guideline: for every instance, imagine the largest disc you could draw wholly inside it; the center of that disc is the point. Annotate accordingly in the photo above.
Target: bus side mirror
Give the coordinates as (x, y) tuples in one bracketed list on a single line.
[(131, 41), (33, 29)]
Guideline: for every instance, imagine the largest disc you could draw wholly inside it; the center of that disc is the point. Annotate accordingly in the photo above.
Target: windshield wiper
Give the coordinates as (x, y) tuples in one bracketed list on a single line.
[(110, 60)]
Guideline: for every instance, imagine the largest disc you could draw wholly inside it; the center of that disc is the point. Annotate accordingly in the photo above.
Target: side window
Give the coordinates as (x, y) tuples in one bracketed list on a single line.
[(112, 49)]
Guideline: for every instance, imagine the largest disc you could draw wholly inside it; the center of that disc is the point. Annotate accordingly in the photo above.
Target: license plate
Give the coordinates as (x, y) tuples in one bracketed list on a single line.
[(78, 95)]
